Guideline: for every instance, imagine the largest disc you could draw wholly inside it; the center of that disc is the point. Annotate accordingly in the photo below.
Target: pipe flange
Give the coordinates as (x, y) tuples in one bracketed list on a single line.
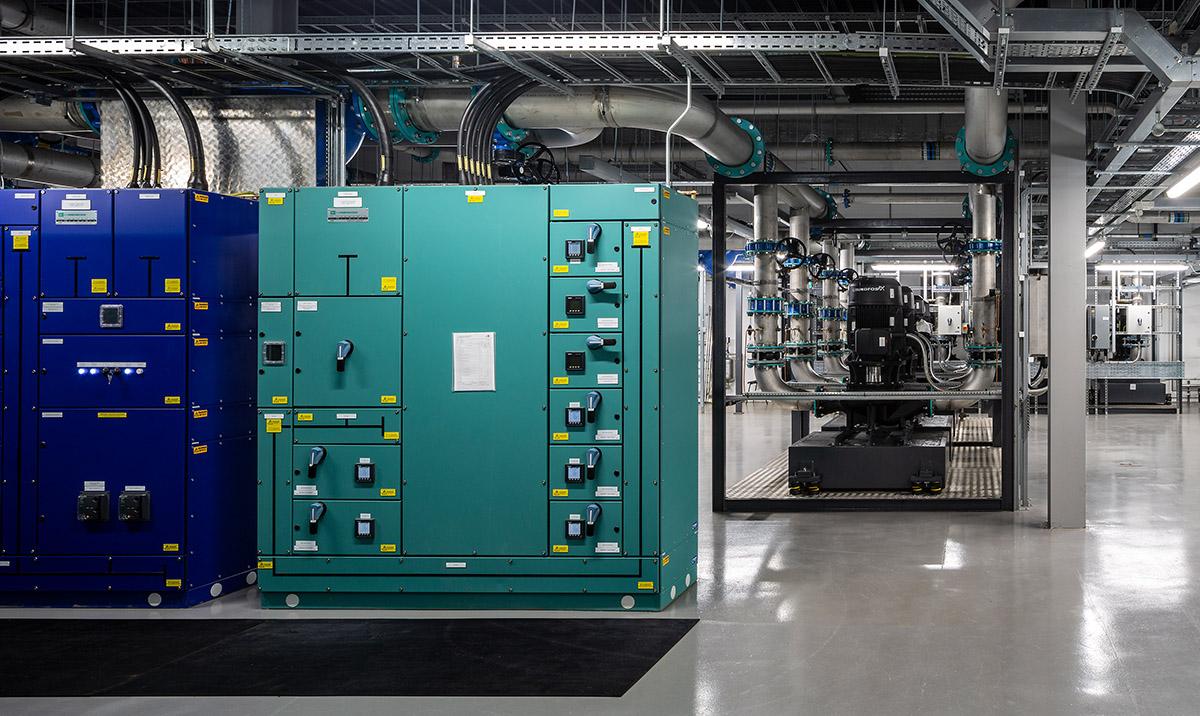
[(799, 309), (826, 313), (756, 348), (754, 248), (516, 135), (979, 246), (764, 306), (759, 159), (406, 129), (831, 208), (1003, 163)]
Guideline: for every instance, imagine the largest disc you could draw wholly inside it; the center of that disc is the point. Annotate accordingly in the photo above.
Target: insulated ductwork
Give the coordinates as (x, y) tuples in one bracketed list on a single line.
[(47, 166), (19, 114)]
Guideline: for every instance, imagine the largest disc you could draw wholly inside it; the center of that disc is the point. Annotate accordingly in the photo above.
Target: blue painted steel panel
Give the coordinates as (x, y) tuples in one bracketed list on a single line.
[(74, 372), (150, 249), (77, 243), (109, 452), (139, 315), (20, 267)]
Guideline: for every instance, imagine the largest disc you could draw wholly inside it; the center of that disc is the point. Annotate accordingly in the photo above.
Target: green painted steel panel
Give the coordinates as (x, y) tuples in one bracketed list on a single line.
[(346, 472), (466, 566), (276, 241), (476, 483), (336, 530), (607, 484), (597, 202), (574, 364), (601, 256), (274, 440), (275, 368), (607, 426), (574, 308), (348, 241), (605, 538), (342, 426), (371, 373)]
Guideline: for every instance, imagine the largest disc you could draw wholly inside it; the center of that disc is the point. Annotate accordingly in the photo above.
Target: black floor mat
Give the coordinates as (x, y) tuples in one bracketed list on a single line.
[(331, 657)]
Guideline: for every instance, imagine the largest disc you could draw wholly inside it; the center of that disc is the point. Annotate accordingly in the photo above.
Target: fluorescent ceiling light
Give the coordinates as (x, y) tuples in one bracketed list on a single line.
[(1094, 248), (912, 268), (1182, 186), (1143, 268)]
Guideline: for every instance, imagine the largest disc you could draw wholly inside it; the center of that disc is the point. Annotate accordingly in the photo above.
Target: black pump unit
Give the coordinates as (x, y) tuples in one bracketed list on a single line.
[(878, 347)]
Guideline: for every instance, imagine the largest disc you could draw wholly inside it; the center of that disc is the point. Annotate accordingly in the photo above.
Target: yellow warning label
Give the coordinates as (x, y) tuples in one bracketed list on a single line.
[(666, 231), (172, 326), (560, 549), (560, 268), (304, 417), (171, 285), (561, 380), (279, 400), (202, 198), (170, 547), (99, 285), (387, 492), (641, 238), (112, 415), (559, 492), (387, 283), (387, 399), (266, 563), (561, 213), (666, 559), (666, 193), (199, 449), (200, 414), (176, 583), (20, 242), (475, 198), (561, 324), (274, 425), (387, 548), (170, 400), (391, 435), (199, 342), (274, 201), (561, 436), (645, 585), (200, 305)]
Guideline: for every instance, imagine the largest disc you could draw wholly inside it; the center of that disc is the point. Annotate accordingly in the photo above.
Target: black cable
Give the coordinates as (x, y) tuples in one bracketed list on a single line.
[(478, 137), (135, 128), (382, 128), (198, 178), (152, 171), (506, 97)]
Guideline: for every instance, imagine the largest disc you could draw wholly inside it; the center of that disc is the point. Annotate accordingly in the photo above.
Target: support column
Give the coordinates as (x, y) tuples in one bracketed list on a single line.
[(1067, 437)]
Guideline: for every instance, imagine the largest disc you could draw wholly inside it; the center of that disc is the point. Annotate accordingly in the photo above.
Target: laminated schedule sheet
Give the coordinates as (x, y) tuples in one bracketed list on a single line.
[(474, 362)]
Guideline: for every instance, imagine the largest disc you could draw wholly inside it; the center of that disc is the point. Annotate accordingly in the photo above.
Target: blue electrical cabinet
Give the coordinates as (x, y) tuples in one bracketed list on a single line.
[(127, 444)]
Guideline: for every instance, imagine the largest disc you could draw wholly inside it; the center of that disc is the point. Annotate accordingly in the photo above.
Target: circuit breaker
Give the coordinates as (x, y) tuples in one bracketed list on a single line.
[(489, 411), (128, 411), (1099, 327), (949, 319), (1139, 319)]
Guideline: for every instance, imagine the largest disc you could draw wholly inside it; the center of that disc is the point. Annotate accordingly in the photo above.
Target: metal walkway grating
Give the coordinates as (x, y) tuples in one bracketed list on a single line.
[(974, 474)]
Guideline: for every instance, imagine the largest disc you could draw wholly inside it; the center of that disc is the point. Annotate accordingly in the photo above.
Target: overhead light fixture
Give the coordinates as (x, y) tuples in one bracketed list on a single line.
[(1094, 247), (1185, 184), (1142, 268), (912, 268), (702, 225)]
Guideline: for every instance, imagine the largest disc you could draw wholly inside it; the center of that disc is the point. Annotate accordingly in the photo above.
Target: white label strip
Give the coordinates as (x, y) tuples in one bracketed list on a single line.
[(608, 379), (643, 190), (608, 548), (306, 305), (608, 434), (271, 306), (305, 490), (147, 196), (55, 414), (135, 488), (347, 193), (305, 545), (610, 323), (347, 416), (608, 491), (608, 267), (93, 485), (52, 341), (52, 307), (347, 202), (273, 416), (24, 195), (456, 565), (69, 205), (275, 195)]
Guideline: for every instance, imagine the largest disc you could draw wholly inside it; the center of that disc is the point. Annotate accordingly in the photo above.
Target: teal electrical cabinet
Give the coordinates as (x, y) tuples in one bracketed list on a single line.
[(477, 397)]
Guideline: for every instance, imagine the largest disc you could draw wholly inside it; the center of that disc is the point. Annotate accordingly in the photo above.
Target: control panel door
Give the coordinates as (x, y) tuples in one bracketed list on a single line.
[(275, 351), (111, 482), (150, 242), (347, 352), (587, 529), (348, 241), (112, 372), (579, 472), (346, 472), (323, 527), (77, 235), (586, 416), (585, 304), (585, 360), (585, 248)]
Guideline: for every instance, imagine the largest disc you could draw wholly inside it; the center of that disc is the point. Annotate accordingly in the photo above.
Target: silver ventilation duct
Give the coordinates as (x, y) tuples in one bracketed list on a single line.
[(47, 166)]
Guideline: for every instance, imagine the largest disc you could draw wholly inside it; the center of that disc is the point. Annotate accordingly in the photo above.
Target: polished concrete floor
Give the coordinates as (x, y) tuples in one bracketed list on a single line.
[(894, 613)]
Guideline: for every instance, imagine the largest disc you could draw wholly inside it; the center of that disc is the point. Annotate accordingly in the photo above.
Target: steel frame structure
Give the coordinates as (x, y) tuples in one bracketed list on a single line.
[(1010, 394)]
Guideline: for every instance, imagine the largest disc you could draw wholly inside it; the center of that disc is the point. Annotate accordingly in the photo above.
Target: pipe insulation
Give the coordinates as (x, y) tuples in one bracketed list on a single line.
[(843, 109), (46, 166), (19, 114), (766, 284)]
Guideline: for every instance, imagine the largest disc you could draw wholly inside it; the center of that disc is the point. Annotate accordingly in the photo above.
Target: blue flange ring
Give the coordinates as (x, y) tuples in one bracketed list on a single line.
[(831, 209), (513, 134), (966, 207), (985, 170), (759, 159), (405, 127)]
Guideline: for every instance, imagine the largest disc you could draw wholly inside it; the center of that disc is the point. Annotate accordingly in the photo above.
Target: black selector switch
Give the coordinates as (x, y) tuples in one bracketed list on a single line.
[(364, 528), (344, 349), (593, 459), (592, 514), (596, 285), (576, 362), (133, 506), (593, 236), (92, 507), (364, 473), (575, 306), (574, 528), (595, 343), (574, 250), (593, 404), (574, 417), (315, 457), (574, 474), (316, 511)]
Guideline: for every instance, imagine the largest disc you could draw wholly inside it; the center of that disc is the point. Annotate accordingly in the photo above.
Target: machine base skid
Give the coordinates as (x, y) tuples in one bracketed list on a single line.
[(112, 591), (871, 467)]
